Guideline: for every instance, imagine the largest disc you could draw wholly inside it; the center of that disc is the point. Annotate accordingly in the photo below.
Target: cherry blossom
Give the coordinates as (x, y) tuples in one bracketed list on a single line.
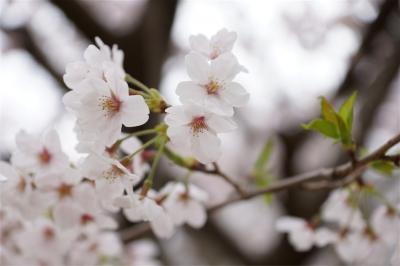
[(102, 106), (361, 248), (303, 235), (142, 252), (111, 177), (386, 223), (36, 154), (80, 207), (220, 43), (340, 208), (194, 129), (185, 204), (212, 84), (97, 59), (138, 208)]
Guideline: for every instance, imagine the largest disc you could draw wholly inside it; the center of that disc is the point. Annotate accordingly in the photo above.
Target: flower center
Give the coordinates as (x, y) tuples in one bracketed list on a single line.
[(48, 233), (44, 156), (215, 53), (113, 173), (86, 218), (212, 87), (64, 190), (198, 124), (110, 104)]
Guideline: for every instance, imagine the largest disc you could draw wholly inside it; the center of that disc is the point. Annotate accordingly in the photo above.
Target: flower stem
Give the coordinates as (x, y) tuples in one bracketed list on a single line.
[(133, 91), (156, 160), (144, 146), (138, 134), (137, 83)]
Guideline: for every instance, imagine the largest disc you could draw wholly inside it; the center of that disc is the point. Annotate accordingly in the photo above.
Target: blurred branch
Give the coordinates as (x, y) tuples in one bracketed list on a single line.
[(22, 38), (370, 34), (336, 175)]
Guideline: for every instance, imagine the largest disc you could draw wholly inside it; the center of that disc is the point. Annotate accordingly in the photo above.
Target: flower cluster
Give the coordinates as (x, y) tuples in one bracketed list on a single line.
[(356, 239), (51, 213), (208, 99)]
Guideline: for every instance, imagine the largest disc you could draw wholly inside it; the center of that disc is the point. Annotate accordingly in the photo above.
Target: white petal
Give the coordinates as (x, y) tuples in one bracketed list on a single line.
[(135, 111), (234, 94), (190, 91), (206, 147), (200, 43), (66, 215), (197, 68), (288, 223), (225, 67), (215, 104), (176, 116), (224, 40), (302, 240), (196, 214), (221, 124), (324, 236)]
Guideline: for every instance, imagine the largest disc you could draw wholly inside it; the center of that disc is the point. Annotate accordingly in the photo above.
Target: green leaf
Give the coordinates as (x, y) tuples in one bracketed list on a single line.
[(260, 165), (327, 110), (324, 127), (383, 167), (261, 173), (346, 111), (345, 134)]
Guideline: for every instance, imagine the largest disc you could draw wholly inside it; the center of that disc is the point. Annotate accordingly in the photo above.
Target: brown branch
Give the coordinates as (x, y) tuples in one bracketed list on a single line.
[(339, 176), (335, 173), (217, 171)]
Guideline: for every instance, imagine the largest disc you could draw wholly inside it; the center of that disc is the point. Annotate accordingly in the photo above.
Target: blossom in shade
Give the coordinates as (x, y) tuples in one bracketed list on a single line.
[(185, 204), (386, 223), (194, 129), (138, 208), (212, 84), (303, 235), (340, 208), (39, 155), (79, 208), (220, 43)]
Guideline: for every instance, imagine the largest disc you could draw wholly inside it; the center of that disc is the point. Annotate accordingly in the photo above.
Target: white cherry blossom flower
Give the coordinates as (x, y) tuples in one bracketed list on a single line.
[(195, 129), (212, 84), (185, 205), (42, 243), (79, 207), (95, 248), (303, 235), (18, 193), (111, 178), (339, 208), (39, 155), (361, 248), (386, 223), (97, 60), (102, 106), (138, 208), (220, 43), (142, 252)]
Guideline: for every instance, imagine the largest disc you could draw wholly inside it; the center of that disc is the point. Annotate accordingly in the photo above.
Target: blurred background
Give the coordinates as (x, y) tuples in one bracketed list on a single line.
[(295, 51)]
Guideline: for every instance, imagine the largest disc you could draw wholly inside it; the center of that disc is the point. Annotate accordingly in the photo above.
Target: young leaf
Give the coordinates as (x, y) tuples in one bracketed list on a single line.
[(261, 174), (345, 134), (324, 127), (383, 167), (327, 110), (346, 110), (261, 164)]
